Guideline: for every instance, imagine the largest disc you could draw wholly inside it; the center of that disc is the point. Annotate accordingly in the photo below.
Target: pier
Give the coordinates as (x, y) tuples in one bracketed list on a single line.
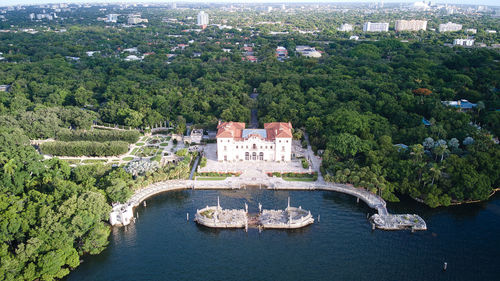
[(122, 214)]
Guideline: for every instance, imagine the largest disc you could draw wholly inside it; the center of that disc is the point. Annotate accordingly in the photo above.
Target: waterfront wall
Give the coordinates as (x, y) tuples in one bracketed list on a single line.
[(122, 214)]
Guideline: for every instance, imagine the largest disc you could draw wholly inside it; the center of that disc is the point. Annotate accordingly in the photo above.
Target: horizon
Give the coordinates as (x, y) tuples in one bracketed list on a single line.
[(493, 3)]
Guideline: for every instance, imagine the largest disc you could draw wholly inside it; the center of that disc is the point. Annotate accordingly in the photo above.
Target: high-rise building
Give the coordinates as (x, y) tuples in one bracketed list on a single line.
[(345, 27), (376, 27), (410, 25), (450, 27), (112, 18), (202, 18)]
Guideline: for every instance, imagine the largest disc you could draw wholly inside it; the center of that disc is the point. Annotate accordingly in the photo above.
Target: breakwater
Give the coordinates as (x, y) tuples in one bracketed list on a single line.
[(122, 214)]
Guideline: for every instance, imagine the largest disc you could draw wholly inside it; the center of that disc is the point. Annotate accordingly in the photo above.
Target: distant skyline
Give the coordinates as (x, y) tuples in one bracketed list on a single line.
[(38, 2)]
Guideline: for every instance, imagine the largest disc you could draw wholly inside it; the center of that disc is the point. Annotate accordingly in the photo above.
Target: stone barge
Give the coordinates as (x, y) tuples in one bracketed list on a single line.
[(397, 222), (216, 217), (290, 218)]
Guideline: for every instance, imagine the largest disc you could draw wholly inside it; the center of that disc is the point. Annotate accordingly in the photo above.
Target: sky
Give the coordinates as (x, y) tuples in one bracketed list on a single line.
[(24, 2)]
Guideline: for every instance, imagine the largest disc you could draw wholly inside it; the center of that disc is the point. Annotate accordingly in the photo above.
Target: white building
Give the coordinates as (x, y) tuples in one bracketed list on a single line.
[(471, 30), (136, 20), (112, 18), (376, 27), (202, 18), (410, 25), (450, 27), (345, 27), (308, 51), (463, 42), (235, 143)]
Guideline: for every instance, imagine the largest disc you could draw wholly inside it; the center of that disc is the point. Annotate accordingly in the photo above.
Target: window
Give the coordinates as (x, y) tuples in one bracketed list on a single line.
[(280, 140), (247, 146), (271, 147), (247, 156), (283, 148), (225, 147), (254, 156), (236, 146), (286, 140), (261, 147), (266, 146), (237, 157), (283, 158), (254, 146), (261, 156), (225, 157)]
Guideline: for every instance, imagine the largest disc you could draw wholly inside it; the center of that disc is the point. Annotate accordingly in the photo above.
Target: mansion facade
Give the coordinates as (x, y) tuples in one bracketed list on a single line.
[(236, 143)]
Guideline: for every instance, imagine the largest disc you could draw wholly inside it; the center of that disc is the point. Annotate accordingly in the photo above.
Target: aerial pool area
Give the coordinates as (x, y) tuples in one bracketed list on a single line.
[(162, 245)]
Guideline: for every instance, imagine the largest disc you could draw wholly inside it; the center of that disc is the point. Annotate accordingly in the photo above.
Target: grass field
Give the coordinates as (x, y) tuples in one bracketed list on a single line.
[(298, 179), (89, 161), (210, 178), (72, 161)]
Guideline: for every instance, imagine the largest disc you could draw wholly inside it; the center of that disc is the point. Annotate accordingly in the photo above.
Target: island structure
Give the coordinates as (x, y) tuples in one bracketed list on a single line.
[(290, 218), (236, 143), (216, 217)]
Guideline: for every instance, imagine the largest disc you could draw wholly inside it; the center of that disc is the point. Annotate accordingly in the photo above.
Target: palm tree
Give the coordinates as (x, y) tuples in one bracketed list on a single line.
[(435, 170), (10, 167), (480, 106), (417, 151)]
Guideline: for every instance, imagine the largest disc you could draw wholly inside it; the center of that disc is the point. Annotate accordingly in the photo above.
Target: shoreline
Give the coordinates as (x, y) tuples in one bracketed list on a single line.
[(493, 192)]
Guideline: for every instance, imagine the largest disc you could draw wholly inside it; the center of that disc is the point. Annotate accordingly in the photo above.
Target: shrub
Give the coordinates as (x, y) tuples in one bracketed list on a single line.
[(203, 162), (181, 152), (84, 148), (97, 135)]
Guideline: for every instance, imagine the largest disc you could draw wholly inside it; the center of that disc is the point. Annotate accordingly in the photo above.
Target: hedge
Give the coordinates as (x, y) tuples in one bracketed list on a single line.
[(84, 148), (98, 135)]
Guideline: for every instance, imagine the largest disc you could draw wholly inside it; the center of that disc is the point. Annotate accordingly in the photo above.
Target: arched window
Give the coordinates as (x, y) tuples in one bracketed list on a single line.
[(261, 156), (247, 156), (254, 156), (254, 146)]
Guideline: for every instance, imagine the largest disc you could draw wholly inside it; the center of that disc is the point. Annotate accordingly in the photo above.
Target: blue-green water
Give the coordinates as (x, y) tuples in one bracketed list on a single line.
[(162, 245)]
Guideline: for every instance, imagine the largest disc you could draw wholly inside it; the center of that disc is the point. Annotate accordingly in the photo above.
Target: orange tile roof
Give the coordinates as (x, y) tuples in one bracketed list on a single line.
[(230, 129), (273, 130), (278, 130)]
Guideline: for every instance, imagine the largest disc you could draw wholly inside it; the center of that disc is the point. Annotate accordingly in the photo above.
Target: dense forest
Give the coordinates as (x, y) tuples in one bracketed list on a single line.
[(372, 109)]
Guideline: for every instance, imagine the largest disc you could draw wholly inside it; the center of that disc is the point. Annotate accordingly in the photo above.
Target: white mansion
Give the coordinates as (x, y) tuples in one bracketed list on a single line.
[(235, 143)]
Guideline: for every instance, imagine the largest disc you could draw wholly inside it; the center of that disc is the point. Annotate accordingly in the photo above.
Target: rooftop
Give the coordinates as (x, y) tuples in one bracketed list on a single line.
[(271, 131)]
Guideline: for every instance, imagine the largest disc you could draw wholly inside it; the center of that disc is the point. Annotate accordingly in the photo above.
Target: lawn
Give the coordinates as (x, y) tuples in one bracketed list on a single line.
[(88, 161), (139, 144), (298, 179), (128, 158), (72, 161), (210, 178), (164, 144)]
